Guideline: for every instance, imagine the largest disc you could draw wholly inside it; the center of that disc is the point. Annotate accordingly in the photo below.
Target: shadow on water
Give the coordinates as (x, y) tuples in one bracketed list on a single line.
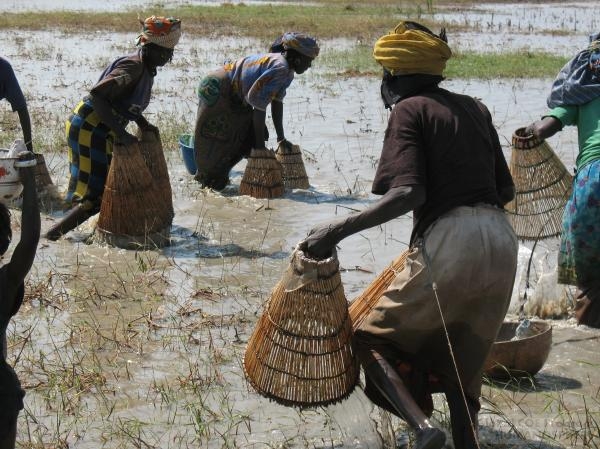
[(540, 383)]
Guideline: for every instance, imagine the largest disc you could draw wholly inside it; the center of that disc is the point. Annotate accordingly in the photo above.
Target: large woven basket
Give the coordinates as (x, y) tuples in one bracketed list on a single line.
[(543, 186), (362, 305), (133, 214), (300, 353), (154, 156), (294, 172), (262, 177)]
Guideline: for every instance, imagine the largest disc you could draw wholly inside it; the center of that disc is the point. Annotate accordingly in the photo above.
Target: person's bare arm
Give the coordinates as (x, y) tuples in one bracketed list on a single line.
[(25, 121), (396, 202), (104, 111), (544, 128), (24, 253)]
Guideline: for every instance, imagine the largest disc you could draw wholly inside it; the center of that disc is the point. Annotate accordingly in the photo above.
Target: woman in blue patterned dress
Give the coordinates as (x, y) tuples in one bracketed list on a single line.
[(233, 102)]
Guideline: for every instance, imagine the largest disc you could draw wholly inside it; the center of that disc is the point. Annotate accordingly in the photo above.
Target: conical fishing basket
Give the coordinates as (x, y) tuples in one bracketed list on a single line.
[(132, 213), (543, 186), (364, 303), (300, 353), (154, 156), (42, 176), (262, 177), (293, 170)]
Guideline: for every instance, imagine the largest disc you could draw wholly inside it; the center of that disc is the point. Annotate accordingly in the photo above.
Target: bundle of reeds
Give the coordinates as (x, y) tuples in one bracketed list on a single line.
[(262, 177), (300, 352), (293, 170), (132, 213), (154, 156), (364, 303), (543, 186)]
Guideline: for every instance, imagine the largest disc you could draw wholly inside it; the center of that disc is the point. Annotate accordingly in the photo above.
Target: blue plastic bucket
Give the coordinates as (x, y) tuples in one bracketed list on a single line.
[(186, 146)]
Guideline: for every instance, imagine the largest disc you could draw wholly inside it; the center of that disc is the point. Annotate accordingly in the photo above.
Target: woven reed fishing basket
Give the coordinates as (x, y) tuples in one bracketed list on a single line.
[(362, 305), (262, 177), (543, 186), (294, 172), (300, 353), (154, 156), (42, 176), (132, 213)]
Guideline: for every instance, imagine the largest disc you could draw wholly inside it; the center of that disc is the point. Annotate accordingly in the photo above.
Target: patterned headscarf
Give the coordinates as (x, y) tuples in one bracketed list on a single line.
[(163, 31), (408, 50), (300, 42), (578, 82)]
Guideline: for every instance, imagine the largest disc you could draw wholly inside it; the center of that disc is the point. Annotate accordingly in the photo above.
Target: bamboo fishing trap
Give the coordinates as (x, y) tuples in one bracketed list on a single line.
[(293, 170), (300, 352), (133, 213), (154, 157), (543, 186), (42, 176), (262, 177), (362, 305)]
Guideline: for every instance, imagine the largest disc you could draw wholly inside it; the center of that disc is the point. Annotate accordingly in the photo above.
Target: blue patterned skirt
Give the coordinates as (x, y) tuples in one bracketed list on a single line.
[(579, 255)]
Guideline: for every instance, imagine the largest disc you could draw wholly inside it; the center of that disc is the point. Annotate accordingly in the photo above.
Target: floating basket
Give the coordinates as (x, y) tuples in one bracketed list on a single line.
[(262, 177), (300, 352), (543, 186), (133, 213), (363, 304), (154, 156), (293, 171)]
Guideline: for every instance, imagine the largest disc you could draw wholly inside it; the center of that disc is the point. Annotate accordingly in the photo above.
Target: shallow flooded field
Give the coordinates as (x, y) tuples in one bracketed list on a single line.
[(119, 348)]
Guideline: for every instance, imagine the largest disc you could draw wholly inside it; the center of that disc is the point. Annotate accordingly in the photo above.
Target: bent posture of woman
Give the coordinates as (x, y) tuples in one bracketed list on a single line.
[(121, 94), (233, 102)]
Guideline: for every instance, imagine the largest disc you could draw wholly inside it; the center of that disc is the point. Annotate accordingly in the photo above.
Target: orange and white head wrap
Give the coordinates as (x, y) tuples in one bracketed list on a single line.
[(163, 31)]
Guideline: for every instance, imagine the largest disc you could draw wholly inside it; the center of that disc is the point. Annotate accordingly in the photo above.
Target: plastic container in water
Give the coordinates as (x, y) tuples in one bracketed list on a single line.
[(186, 146), (10, 181)]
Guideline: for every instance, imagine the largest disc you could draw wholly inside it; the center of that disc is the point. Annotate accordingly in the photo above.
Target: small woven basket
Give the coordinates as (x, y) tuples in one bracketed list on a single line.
[(293, 170), (262, 177), (543, 186), (362, 305), (132, 213), (300, 353)]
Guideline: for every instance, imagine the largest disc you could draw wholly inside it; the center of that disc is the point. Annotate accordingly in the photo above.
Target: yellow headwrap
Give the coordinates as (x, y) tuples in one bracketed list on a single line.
[(407, 52)]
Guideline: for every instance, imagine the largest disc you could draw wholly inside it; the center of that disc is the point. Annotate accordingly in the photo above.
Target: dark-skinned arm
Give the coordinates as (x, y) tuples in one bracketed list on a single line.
[(396, 202), (258, 123), (544, 128), (277, 112), (25, 121), (24, 253), (145, 125), (104, 111)]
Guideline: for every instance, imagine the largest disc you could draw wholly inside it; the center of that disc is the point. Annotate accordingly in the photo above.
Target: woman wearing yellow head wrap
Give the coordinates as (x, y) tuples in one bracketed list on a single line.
[(442, 160), (410, 49)]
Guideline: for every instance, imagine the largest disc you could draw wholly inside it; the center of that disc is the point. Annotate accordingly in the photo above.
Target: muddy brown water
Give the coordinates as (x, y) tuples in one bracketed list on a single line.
[(121, 348)]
